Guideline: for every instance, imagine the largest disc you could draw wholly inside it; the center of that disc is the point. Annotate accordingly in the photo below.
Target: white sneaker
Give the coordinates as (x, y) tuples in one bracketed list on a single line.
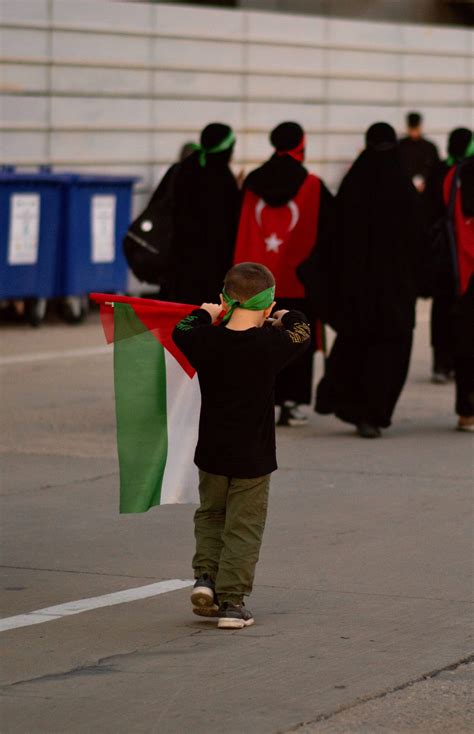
[(465, 423), (291, 415)]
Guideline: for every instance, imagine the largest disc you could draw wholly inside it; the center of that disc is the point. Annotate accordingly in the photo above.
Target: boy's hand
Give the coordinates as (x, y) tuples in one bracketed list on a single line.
[(278, 315), (213, 309)]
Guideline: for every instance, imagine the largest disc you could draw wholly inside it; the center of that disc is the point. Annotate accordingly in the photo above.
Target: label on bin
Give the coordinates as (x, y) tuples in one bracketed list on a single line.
[(103, 228), (23, 237)]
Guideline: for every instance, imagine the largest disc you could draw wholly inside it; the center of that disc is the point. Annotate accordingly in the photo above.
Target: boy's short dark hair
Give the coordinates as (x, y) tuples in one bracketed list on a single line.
[(414, 119), (246, 280)]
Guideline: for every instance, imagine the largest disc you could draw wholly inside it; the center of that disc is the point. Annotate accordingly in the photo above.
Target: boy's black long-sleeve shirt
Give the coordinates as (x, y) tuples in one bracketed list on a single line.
[(236, 371)]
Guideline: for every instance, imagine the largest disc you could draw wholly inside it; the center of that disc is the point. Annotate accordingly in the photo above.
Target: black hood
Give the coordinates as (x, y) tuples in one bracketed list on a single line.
[(278, 180)]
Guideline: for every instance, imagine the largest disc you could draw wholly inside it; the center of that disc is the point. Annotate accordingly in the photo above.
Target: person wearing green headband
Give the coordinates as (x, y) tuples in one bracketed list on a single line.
[(458, 192), (237, 353), (460, 145), (226, 144), (204, 206), (263, 301)]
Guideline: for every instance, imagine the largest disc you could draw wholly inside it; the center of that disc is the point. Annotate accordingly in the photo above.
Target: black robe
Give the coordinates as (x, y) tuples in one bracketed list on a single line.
[(463, 313), (277, 182), (418, 157), (206, 210), (463, 337), (367, 283)]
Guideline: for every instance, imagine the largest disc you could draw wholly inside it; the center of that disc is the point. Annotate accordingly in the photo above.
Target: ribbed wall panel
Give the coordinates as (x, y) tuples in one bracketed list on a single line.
[(96, 86)]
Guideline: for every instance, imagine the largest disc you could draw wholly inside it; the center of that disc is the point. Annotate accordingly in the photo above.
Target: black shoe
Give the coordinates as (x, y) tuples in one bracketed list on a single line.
[(203, 597), (367, 430), (291, 415), (234, 616)]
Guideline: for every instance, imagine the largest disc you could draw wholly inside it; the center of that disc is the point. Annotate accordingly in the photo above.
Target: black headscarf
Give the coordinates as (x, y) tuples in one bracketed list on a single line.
[(380, 137), (434, 206), (206, 210), (458, 141), (286, 136), (281, 177), (372, 287)]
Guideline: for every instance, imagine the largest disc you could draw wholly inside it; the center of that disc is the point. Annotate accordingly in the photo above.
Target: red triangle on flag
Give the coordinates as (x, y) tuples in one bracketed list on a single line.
[(159, 317)]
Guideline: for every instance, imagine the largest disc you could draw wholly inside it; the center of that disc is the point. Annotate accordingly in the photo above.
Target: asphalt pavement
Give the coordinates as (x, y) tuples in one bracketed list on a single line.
[(363, 596)]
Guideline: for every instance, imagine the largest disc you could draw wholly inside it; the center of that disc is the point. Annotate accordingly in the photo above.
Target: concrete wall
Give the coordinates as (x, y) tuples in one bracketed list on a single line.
[(118, 87), (396, 11)]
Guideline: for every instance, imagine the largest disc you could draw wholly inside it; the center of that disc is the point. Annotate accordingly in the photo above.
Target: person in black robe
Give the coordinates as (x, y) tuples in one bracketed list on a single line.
[(463, 330), (418, 155), (460, 252), (206, 203), (369, 278), (442, 341), (281, 182)]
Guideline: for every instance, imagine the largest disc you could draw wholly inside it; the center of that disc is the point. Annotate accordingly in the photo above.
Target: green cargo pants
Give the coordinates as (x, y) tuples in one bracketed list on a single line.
[(228, 527)]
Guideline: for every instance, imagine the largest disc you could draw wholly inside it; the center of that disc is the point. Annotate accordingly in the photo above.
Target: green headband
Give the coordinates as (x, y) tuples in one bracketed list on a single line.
[(467, 154), (259, 302), (225, 144)]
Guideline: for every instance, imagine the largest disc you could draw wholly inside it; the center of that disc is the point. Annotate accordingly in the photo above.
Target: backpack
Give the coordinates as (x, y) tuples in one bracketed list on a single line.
[(148, 242)]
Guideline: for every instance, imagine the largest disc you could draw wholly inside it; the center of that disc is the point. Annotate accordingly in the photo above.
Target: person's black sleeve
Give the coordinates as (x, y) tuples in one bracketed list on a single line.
[(290, 340), (435, 208), (186, 334), (435, 154), (420, 248)]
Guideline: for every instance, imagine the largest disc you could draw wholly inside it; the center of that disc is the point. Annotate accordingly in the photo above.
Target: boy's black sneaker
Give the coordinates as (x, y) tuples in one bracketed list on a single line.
[(234, 616), (203, 597)]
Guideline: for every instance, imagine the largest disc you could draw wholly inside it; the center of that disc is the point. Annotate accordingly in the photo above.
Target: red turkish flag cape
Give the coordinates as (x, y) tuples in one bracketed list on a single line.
[(280, 237), (464, 229)]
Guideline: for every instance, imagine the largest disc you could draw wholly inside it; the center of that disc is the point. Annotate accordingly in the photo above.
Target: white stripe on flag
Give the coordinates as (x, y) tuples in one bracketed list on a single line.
[(183, 399)]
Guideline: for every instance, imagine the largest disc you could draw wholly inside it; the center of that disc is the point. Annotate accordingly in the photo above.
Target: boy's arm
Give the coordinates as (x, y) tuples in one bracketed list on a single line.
[(291, 336), (186, 331)]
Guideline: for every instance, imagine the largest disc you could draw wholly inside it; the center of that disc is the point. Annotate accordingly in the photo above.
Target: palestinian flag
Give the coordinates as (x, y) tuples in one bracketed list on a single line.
[(157, 401)]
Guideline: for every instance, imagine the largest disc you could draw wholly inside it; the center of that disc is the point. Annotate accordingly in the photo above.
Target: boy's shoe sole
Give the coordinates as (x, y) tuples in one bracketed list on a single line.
[(227, 623), (212, 611), (202, 597)]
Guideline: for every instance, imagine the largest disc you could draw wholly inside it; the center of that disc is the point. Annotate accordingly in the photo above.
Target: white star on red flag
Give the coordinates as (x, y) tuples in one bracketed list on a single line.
[(273, 243)]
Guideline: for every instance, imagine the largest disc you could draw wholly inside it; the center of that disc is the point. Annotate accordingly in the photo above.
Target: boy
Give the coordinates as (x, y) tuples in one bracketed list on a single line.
[(237, 363)]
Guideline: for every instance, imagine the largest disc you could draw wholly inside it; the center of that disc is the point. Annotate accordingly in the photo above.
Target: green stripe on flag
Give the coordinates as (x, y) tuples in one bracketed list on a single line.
[(140, 403)]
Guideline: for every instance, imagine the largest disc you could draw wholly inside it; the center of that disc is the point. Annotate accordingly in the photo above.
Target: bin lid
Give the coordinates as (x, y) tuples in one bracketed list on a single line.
[(34, 178), (65, 178), (88, 179)]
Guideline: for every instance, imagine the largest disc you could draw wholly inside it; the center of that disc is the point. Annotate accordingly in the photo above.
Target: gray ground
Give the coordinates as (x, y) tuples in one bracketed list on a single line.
[(363, 601)]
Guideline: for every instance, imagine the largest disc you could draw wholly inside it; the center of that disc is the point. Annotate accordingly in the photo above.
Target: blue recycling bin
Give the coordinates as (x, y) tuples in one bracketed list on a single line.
[(97, 216), (31, 206)]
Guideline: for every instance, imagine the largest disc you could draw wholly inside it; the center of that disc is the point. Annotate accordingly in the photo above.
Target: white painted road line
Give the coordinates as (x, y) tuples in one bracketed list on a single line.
[(45, 356), (48, 614)]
